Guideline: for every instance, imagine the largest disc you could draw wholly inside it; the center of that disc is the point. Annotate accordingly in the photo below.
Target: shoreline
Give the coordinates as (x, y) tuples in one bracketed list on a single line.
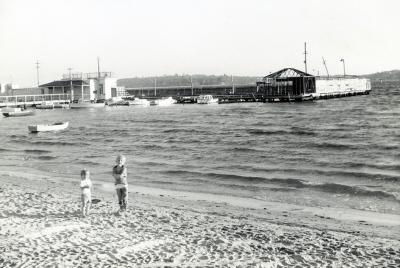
[(39, 225)]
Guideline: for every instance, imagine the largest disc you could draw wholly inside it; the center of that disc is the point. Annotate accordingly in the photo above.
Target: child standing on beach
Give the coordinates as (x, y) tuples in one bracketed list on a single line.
[(86, 188), (120, 175)]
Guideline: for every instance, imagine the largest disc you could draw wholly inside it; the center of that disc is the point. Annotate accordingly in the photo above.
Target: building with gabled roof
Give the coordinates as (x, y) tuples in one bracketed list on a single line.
[(288, 82)]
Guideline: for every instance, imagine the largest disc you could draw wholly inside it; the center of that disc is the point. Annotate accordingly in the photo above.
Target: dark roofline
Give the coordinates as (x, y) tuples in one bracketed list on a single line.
[(300, 73), (65, 83)]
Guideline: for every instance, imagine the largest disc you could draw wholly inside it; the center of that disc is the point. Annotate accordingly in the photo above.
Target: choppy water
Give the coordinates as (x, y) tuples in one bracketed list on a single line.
[(339, 152)]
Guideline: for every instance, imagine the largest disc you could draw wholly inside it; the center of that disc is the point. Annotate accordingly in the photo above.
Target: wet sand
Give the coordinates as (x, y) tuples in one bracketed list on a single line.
[(40, 226)]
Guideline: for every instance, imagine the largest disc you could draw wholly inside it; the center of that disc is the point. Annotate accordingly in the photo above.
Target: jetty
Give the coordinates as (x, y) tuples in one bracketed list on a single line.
[(286, 85), (33, 100)]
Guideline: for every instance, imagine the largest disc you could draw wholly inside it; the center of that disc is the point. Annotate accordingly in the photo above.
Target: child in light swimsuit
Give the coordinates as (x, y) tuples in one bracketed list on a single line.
[(86, 188)]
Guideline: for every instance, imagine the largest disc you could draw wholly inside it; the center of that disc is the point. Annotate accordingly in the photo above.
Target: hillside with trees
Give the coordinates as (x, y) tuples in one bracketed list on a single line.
[(185, 80), (201, 79), (393, 75)]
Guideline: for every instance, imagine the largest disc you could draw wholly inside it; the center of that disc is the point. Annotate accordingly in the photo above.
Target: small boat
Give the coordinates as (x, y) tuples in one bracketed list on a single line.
[(163, 102), (117, 101), (62, 105), (206, 99), (48, 127), (45, 105), (87, 104), (19, 113), (142, 102), (10, 109)]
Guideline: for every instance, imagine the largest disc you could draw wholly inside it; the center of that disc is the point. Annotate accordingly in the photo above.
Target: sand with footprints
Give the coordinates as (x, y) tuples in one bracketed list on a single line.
[(40, 226)]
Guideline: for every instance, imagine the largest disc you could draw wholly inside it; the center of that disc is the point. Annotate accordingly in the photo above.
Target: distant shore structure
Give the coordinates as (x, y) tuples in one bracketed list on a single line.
[(87, 86), (288, 84)]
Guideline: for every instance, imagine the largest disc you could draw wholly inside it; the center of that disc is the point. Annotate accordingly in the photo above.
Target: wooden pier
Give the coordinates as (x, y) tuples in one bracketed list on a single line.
[(32, 100)]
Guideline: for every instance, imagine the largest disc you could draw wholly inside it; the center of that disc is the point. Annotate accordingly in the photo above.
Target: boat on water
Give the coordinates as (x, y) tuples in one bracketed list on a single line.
[(45, 105), (137, 101), (86, 104), (163, 102), (19, 113), (206, 99), (117, 101), (62, 105), (48, 127)]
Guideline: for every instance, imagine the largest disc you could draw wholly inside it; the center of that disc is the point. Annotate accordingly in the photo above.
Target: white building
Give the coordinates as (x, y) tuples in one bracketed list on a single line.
[(90, 86), (326, 86)]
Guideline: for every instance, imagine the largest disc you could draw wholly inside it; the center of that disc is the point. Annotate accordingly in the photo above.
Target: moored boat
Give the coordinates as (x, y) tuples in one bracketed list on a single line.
[(48, 127), (19, 113), (142, 102), (87, 104), (163, 102), (45, 105), (62, 105), (206, 99)]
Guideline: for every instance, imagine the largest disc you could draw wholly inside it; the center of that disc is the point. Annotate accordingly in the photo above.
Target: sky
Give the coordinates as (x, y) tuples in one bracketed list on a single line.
[(136, 38)]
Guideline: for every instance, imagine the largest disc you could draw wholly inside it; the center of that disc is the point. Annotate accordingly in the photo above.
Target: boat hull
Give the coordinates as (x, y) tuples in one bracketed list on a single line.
[(43, 128), (87, 105), (20, 113), (206, 99)]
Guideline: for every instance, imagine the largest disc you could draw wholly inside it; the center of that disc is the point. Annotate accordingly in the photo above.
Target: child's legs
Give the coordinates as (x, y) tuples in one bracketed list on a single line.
[(124, 197), (88, 205), (86, 199), (119, 196)]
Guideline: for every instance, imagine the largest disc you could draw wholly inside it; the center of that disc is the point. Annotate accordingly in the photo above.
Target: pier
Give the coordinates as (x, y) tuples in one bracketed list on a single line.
[(32, 100)]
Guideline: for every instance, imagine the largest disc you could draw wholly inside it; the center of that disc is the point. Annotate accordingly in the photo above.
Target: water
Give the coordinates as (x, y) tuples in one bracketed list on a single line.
[(337, 153)]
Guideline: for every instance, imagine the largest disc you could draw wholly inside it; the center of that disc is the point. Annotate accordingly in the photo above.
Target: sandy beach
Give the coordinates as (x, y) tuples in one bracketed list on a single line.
[(40, 226)]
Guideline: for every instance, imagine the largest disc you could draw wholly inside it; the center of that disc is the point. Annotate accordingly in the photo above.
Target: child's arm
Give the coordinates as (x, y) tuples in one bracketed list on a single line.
[(124, 176)]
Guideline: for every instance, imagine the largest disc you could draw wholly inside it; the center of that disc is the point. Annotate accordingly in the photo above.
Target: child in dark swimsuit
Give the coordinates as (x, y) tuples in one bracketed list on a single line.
[(121, 184)]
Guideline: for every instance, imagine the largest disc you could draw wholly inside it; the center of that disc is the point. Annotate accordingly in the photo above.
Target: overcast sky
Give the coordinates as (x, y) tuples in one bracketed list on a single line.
[(157, 37)]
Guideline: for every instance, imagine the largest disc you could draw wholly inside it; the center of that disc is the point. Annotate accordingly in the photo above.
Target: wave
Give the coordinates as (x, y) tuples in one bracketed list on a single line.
[(36, 151), (183, 130), (352, 190), (51, 143), (267, 132), (46, 157), (294, 131), (285, 182), (334, 146), (333, 173)]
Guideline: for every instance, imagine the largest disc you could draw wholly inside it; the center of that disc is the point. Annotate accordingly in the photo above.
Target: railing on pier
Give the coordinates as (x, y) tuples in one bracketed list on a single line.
[(17, 100), (84, 76)]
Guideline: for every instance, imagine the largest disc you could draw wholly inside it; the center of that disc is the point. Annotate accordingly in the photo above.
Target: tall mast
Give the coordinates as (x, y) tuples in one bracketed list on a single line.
[(98, 67), (305, 56), (191, 83), (70, 85), (155, 86), (233, 85), (326, 68), (344, 68), (37, 72)]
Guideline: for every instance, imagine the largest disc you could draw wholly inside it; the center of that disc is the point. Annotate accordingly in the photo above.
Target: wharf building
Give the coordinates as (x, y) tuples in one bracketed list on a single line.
[(85, 86), (288, 84)]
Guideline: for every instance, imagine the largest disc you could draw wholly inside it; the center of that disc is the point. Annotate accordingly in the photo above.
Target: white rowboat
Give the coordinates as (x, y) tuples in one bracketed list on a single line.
[(48, 127)]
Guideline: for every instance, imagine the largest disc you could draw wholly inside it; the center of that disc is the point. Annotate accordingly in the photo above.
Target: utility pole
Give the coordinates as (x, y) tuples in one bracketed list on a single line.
[(155, 86), (305, 56), (344, 68), (326, 68), (191, 83), (70, 85), (233, 85), (37, 72), (98, 67)]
